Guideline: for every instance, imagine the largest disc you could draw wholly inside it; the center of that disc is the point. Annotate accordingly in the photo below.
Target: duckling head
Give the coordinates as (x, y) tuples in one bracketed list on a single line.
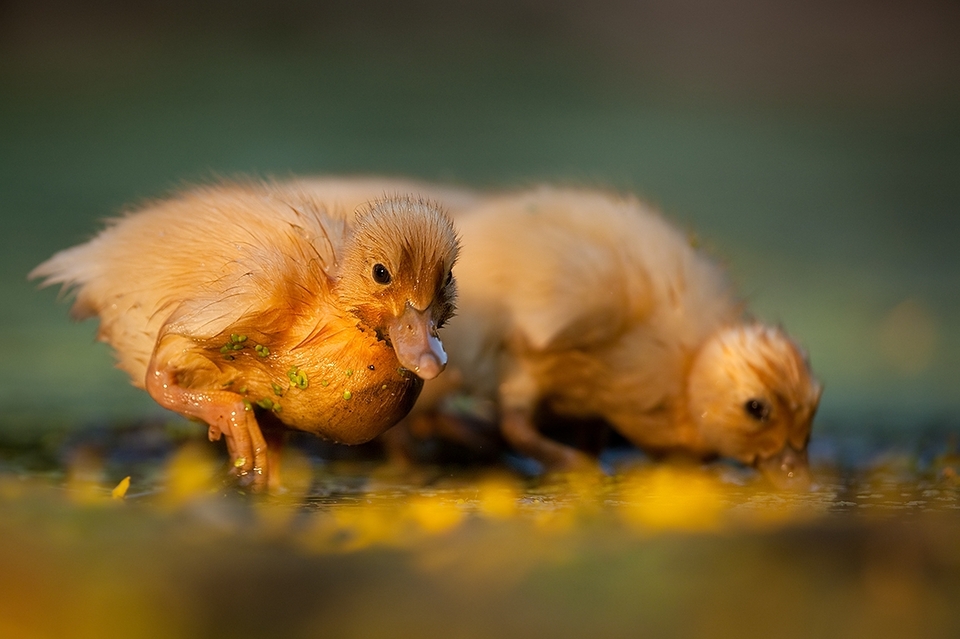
[(397, 278), (752, 397)]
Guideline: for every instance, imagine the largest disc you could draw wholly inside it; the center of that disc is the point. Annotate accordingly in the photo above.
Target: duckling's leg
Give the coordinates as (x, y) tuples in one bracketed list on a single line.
[(518, 397), (520, 431), (224, 412)]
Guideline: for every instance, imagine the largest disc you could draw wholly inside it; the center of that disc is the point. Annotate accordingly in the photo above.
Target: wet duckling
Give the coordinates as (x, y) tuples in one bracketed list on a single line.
[(593, 306), (309, 302)]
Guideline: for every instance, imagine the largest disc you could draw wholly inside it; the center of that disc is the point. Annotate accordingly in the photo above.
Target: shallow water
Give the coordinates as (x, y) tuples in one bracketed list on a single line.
[(357, 547)]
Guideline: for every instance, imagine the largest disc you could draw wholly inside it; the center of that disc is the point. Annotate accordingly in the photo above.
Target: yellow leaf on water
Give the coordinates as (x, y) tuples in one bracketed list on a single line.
[(190, 474), (121, 490), (673, 499), (434, 515), (497, 499), (366, 526)]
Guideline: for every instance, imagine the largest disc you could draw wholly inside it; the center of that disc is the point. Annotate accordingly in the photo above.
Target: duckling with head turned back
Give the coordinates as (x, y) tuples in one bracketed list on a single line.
[(305, 304)]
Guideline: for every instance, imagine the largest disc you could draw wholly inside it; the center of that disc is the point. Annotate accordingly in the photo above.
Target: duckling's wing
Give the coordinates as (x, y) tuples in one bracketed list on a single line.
[(273, 280), (203, 261), (264, 295)]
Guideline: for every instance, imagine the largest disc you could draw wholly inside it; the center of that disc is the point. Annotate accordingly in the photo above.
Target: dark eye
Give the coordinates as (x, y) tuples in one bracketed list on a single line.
[(380, 274), (757, 409)]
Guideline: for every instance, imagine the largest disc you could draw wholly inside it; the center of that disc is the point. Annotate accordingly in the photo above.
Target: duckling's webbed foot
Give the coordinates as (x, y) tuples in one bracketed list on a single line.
[(226, 415)]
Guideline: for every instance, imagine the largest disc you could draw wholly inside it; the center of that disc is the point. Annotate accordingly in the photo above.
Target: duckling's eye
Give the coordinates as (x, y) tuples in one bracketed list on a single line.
[(757, 409), (380, 274)]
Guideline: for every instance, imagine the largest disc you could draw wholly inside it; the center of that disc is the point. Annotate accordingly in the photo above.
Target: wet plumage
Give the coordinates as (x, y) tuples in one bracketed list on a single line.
[(314, 302)]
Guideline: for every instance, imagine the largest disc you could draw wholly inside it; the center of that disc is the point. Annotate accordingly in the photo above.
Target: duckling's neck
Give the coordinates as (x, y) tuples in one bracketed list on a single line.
[(665, 425), (685, 425), (665, 428), (687, 431)]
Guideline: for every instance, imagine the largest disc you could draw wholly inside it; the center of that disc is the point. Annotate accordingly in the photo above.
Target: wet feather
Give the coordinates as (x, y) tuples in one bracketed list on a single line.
[(209, 298)]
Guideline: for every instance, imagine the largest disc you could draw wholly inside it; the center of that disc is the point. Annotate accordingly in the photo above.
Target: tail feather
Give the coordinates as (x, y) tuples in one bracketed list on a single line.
[(72, 268)]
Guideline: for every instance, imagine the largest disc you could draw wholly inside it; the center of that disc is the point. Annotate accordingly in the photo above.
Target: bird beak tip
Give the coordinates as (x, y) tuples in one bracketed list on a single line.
[(429, 366), (416, 343)]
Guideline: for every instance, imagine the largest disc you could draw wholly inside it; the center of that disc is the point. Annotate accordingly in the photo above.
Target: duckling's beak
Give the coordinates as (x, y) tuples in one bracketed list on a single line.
[(787, 470), (414, 338)]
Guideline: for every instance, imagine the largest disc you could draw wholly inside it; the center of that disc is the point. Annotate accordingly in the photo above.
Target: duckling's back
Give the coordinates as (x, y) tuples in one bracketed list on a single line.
[(202, 260), (598, 294)]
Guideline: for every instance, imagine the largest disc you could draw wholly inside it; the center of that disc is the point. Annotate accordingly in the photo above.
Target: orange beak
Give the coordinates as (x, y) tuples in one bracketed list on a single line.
[(414, 338), (787, 470)]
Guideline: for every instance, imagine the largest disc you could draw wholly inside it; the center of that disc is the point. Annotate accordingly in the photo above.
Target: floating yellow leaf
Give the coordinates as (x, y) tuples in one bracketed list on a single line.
[(121, 489), (190, 472), (497, 498), (435, 515), (674, 499), (366, 526)]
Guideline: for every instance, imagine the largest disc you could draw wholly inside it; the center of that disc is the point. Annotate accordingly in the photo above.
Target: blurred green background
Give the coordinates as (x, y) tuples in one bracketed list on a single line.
[(814, 146)]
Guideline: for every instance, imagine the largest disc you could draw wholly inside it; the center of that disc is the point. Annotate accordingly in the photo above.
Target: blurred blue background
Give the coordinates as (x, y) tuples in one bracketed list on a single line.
[(814, 146)]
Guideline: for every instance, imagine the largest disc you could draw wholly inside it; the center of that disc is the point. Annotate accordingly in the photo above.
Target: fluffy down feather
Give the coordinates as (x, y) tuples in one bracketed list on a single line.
[(235, 296), (594, 306)]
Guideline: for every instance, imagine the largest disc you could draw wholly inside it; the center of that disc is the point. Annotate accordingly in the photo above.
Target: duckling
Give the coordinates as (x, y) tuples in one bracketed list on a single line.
[(588, 305), (311, 303)]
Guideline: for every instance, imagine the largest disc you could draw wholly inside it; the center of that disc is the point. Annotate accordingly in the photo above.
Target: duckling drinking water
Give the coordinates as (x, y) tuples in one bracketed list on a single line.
[(313, 302), (593, 306)]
